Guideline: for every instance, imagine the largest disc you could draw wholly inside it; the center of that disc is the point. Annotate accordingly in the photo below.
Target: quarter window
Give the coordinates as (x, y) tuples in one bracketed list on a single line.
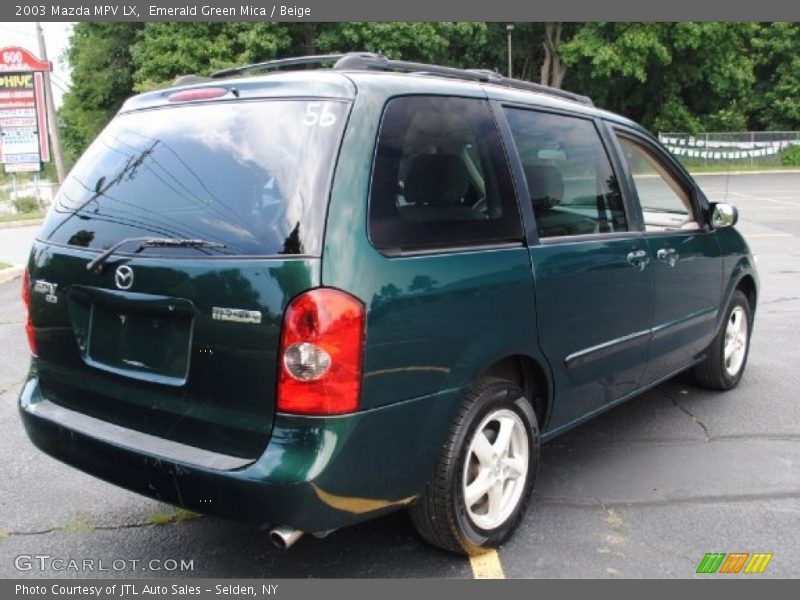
[(440, 177), (666, 205), (572, 186)]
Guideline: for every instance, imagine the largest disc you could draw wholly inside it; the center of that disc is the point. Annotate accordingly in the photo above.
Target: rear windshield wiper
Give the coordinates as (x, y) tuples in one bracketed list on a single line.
[(148, 242)]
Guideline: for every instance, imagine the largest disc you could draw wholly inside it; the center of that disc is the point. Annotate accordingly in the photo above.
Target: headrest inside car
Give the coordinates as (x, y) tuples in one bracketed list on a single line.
[(436, 179), (545, 186)]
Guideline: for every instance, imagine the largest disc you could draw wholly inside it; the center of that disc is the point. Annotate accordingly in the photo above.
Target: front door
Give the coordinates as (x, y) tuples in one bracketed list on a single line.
[(687, 266), (592, 268)]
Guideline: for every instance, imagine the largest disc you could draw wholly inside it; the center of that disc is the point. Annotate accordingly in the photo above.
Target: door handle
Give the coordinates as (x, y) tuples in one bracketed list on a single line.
[(668, 255), (638, 259)]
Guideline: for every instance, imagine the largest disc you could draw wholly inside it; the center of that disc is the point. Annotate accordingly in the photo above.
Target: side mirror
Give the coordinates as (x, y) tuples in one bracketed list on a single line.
[(723, 215)]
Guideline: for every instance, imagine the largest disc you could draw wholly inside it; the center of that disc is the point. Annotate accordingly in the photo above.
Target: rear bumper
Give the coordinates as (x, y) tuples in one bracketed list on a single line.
[(316, 473)]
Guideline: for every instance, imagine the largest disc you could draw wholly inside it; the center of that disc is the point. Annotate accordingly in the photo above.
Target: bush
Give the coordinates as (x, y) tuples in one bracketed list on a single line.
[(26, 204), (791, 157)]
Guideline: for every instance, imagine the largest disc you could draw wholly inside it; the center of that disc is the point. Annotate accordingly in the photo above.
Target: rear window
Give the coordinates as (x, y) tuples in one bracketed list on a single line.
[(251, 175)]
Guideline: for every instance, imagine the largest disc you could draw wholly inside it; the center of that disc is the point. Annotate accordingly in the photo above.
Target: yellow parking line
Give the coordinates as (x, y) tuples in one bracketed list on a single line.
[(487, 566)]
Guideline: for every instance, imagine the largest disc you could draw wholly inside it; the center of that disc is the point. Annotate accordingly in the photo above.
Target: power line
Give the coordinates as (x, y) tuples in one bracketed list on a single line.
[(18, 31)]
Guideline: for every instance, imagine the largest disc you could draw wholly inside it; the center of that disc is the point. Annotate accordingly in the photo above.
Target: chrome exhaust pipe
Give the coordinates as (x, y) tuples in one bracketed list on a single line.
[(284, 538)]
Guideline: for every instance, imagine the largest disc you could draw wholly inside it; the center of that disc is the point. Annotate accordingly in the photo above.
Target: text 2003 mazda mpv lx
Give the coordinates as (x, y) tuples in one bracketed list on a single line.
[(308, 298)]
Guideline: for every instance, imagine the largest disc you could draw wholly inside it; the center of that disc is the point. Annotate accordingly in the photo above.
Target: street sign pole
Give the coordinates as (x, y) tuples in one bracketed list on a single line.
[(52, 119)]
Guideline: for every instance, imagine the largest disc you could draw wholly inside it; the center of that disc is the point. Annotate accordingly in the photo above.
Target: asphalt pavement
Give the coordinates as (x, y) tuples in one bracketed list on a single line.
[(645, 490), (15, 243)]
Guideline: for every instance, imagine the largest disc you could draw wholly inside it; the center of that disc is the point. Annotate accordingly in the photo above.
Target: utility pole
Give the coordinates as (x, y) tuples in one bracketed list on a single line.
[(509, 29), (52, 119)]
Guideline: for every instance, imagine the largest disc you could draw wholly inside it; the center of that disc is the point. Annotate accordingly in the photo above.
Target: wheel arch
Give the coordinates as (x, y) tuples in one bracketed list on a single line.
[(747, 285), (531, 376)]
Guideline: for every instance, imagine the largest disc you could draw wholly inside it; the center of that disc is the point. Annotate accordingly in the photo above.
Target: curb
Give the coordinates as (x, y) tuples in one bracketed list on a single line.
[(22, 223), (10, 273)]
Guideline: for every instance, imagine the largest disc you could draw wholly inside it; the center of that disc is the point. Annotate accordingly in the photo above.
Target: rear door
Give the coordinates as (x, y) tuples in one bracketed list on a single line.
[(181, 342), (687, 270), (591, 264)]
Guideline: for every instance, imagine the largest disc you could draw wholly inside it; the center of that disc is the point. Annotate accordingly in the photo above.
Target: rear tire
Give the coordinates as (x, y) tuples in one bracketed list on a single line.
[(722, 369), (485, 473)]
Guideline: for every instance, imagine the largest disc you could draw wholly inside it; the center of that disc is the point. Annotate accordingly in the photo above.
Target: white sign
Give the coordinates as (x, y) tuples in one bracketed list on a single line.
[(23, 167), (17, 122), (21, 158), (17, 112), (19, 140)]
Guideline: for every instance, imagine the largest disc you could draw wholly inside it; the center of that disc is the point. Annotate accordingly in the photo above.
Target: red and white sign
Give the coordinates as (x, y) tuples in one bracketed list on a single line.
[(23, 122), (20, 60)]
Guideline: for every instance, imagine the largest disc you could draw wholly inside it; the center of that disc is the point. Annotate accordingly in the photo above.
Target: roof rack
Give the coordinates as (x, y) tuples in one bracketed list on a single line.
[(368, 61), (281, 63)]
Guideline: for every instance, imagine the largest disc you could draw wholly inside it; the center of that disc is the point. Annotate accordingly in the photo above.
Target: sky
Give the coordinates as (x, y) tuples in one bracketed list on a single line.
[(56, 37)]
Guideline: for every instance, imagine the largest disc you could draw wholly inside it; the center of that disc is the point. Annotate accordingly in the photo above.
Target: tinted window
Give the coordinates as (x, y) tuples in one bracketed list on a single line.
[(440, 176), (251, 175), (570, 180), (666, 205)]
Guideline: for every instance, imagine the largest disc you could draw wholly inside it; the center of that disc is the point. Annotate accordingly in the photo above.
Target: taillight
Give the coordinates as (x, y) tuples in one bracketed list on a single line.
[(321, 354), (197, 94), (26, 302)]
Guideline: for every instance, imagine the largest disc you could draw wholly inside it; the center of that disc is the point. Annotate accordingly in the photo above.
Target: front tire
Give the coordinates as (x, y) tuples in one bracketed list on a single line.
[(722, 369), (485, 474)]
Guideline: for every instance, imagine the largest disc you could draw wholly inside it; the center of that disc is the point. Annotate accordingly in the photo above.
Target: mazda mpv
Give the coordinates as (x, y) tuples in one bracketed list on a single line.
[(307, 298)]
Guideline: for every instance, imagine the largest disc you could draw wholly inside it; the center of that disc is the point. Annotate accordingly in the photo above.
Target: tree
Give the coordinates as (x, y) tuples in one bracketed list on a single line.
[(669, 76), (102, 78), (165, 51), (449, 43), (776, 97), (553, 67)]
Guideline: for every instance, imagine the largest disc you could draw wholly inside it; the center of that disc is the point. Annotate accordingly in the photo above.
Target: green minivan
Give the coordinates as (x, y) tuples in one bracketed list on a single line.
[(305, 298)]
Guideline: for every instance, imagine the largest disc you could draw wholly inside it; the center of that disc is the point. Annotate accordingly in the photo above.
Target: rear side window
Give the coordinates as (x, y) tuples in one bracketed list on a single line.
[(251, 175), (440, 177), (572, 186)]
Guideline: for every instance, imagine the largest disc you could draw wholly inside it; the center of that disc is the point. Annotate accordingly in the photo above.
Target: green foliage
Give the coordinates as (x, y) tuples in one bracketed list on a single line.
[(455, 44), (164, 51), (102, 78), (669, 76), (26, 204), (776, 97), (791, 157)]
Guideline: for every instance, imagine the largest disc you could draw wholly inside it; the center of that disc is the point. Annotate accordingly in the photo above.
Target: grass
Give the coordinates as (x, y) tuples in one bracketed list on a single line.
[(725, 168), (4, 265), (174, 516), (77, 526), (38, 214)]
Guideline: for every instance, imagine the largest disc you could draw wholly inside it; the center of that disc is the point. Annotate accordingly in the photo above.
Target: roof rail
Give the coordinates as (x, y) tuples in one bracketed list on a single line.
[(280, 63), (368, 61)]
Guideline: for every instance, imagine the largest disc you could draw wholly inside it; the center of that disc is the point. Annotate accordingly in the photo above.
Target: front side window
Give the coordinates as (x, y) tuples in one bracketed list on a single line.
[(666, 204), (440, 177), (572, 186)]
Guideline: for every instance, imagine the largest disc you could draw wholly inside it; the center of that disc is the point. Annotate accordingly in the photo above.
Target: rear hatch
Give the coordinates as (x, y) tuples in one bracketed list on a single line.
[(222, 203)]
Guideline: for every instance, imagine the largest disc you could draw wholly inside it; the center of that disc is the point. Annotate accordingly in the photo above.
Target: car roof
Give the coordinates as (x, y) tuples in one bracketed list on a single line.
[(346, 84)]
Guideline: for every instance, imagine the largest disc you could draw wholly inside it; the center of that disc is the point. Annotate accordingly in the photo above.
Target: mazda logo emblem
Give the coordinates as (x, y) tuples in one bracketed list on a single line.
[(123, 277)]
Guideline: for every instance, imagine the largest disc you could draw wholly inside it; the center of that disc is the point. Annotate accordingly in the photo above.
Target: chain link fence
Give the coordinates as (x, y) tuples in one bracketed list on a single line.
[(731, 150)]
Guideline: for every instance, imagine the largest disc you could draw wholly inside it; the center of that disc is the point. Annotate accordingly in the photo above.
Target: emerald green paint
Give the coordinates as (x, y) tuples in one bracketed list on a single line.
[(598, 330), (227, 402)]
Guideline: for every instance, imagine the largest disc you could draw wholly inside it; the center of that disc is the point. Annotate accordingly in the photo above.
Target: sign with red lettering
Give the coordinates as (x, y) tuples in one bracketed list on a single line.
[(23, 122)]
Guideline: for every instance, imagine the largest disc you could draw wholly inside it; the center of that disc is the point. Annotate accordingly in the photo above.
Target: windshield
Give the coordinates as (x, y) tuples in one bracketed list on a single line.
[(252, 176)]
